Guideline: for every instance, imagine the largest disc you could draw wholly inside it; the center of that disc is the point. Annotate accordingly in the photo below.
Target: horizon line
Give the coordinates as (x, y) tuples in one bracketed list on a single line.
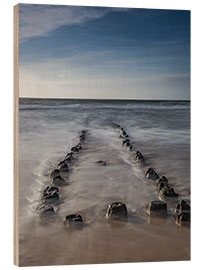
[(119, 99)]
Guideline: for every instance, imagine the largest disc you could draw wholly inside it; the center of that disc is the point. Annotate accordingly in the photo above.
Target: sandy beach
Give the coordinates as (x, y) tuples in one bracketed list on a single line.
[(47, 133)]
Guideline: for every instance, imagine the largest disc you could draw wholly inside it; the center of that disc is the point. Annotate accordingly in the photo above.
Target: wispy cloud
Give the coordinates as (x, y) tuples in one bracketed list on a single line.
[(40, 20)]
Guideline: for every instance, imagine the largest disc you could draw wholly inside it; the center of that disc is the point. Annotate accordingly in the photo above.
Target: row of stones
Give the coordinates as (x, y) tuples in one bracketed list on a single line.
[(165, 191), (59, 177)]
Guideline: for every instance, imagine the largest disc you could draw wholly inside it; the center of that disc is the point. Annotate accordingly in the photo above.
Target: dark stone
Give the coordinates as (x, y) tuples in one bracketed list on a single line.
[(183, 218), (55, 173), (82, 138), (163, 179), (69, 156), (102, 162), (49, 190), (117, 210), (151, 174), (139, 157), (182, 207), (124, 137), (157, 208), (46, 210), (51, 198), (123, 132), (68, 160), (128, 145), (167, 192), (83, 132), (63, 166), (58, 181), (79, 146), (73, 221), (76, 148), (138, 154), (162, 185), (125, 141)]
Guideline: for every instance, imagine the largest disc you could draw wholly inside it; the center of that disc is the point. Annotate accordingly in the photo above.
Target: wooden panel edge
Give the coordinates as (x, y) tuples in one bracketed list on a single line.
[(16, 131)]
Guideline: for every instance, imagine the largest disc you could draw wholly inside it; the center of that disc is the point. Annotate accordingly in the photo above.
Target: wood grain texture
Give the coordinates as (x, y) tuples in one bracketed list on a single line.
[(16, 105)]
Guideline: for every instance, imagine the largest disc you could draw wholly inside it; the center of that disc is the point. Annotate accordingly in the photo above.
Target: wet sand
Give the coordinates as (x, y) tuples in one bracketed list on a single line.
[(136, 241)]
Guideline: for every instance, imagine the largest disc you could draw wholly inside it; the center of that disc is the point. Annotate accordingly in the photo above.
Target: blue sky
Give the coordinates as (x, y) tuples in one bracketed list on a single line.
[(99, 52)]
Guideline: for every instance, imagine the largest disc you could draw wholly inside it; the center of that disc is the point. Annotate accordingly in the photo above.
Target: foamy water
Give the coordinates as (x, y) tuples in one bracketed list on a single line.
[(48, 130)]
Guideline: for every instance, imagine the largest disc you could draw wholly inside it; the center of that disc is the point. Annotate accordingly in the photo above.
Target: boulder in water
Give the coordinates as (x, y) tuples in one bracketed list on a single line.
[(162, 185), (63, 166), (55, 173), (182, 207), (162, 179), (128, 145), (125, 141), (82, 138), (157, 208), (73, 221), (68, 160), (69, 156), (83, 132), (117, 210), (151, 174), (46, 210), (76, 148), (53, 197), (139, 157), (183, 218), (167, 192), (101, 162), (49, 190), (57, 180)]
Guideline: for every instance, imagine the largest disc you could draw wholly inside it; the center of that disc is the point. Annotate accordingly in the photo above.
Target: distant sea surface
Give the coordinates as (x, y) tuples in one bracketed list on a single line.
[(48, 128)]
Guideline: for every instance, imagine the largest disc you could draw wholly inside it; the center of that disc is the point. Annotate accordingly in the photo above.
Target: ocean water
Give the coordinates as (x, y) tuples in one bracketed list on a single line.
[(47, 131)]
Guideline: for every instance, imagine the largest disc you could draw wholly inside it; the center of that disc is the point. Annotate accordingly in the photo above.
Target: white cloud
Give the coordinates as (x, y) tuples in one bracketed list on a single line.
[(39, 20)]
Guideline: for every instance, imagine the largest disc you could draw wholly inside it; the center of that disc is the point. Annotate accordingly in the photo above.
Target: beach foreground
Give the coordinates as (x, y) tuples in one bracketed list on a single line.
[(48, 130)]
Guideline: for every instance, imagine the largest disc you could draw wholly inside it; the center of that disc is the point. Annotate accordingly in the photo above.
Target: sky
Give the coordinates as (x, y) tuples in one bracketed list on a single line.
[(103, 52)]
